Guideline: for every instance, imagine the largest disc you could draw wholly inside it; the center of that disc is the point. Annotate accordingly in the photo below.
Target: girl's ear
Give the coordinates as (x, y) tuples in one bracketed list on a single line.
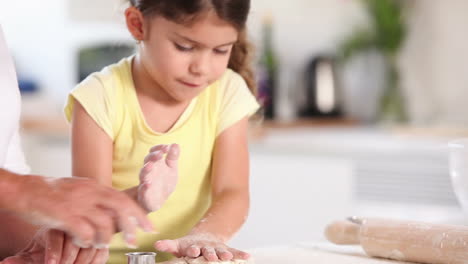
[(134, 19)]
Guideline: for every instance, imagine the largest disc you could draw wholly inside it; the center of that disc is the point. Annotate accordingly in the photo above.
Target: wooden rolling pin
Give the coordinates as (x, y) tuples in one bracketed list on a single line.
[(403, 240)]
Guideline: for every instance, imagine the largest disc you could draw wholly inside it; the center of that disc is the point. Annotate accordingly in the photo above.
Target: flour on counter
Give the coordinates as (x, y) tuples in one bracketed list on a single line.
[(202, 260)]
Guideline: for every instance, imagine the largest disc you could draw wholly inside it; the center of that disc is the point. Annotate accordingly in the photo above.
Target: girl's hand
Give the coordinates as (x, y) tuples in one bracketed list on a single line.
[(54, 246), (158, 177), (205, 245)]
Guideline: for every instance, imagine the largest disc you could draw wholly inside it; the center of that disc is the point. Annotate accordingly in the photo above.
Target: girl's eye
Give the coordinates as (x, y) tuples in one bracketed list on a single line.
[(221, 52), (183, 48)]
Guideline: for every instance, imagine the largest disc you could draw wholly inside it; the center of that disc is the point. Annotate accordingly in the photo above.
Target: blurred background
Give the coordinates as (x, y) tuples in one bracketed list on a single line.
[(360, 98)]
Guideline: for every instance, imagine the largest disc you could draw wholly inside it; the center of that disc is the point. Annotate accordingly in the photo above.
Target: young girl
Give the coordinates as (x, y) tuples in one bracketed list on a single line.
[(185, 97)]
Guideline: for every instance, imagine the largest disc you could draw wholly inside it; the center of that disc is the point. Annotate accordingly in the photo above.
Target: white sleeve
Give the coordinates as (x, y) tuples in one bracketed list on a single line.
[(11, 156)]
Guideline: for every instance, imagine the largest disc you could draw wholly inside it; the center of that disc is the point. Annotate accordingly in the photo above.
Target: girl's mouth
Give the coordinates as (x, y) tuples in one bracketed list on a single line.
[(193, 85)]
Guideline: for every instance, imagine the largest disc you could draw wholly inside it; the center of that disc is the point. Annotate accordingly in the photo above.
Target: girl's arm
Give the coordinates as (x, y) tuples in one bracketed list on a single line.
[(229, 209), (230, 184), (92, 150)]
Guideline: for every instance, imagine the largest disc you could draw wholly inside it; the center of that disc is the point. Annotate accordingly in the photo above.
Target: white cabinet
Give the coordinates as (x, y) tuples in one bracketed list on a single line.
[(304, 178), (293, 197)]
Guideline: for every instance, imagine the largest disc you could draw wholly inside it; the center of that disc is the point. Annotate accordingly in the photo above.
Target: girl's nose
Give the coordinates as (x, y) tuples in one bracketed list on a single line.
[(200, 64)]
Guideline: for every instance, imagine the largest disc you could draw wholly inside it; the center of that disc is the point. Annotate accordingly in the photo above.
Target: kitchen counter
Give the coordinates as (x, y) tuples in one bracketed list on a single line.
[(396, 172), (316, 253), (41, 116)]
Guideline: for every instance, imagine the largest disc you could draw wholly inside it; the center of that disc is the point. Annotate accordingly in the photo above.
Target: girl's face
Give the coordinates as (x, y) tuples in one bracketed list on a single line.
[(184, 59)]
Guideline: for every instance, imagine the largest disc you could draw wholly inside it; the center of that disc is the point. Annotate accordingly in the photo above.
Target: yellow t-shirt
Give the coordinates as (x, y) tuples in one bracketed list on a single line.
[(109, 97)]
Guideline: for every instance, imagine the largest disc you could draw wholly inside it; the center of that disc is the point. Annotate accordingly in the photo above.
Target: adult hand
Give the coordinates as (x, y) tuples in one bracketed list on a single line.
[(55, 247), (88, 212)]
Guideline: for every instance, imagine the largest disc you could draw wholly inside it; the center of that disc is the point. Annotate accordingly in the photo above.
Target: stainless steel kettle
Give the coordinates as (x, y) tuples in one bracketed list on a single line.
[(322, 93)]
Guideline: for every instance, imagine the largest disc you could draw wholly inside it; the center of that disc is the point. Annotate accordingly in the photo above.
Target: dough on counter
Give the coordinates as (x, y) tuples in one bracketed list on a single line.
[(202, 260)]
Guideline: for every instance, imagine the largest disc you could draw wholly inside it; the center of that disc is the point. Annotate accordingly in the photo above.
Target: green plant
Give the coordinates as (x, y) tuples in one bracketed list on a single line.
[(385, 34)]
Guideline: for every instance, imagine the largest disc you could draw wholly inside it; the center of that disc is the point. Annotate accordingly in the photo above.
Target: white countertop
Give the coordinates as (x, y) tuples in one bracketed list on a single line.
[(315, 253)]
